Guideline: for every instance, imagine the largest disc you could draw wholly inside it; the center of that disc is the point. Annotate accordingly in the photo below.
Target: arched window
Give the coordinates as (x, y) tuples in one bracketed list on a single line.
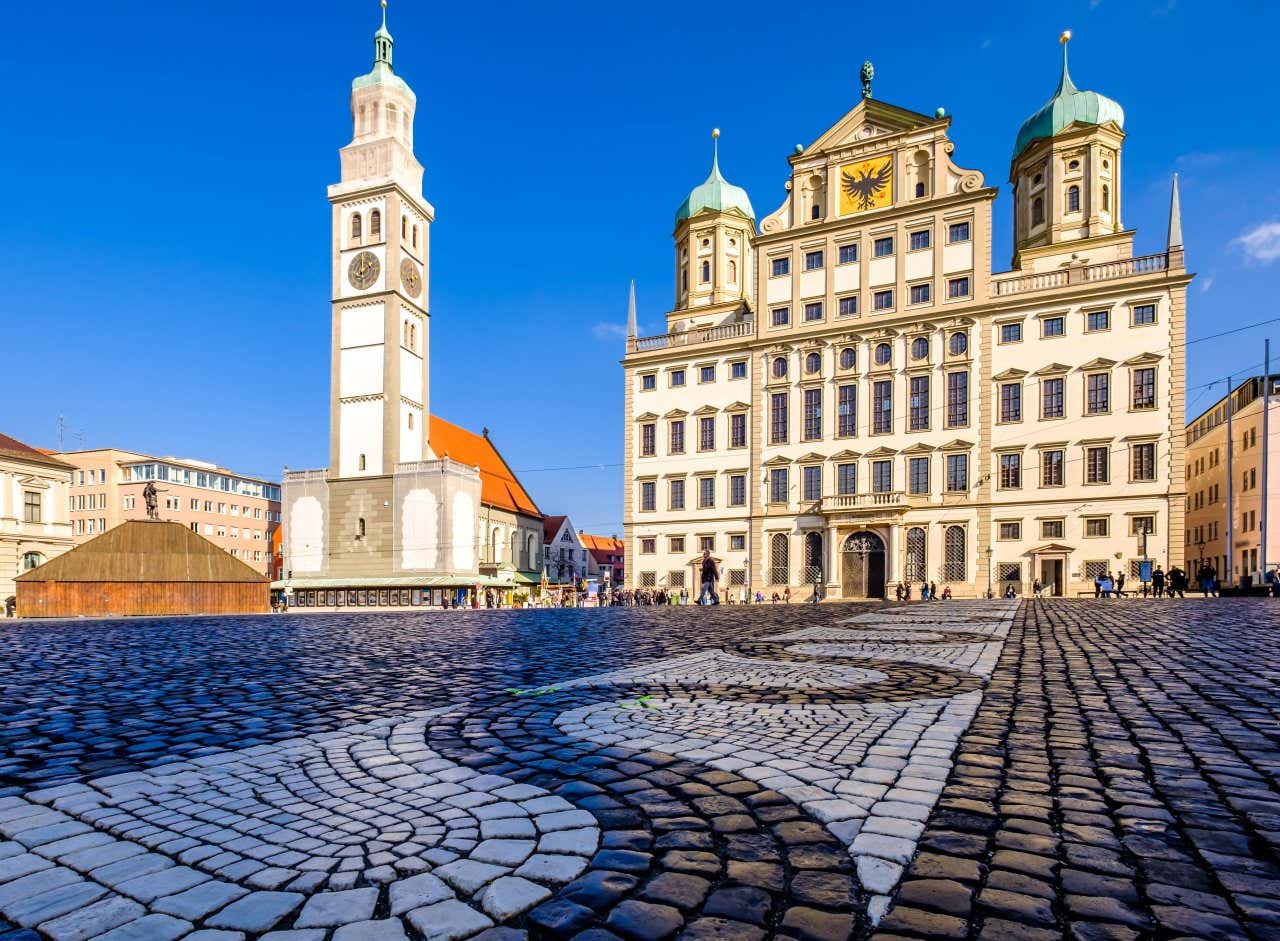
[(375, 224), (815, 212), (493, 546), (780, 367), (953, 567), (779, 560), (919, 190), (363, 464), (733, 271), (30, 560), (919, 348), (1037, 211), (411, 421), (813, 558), (848, 357), (812, 363), (404, 227), (916, 569), (415, 236), (355, 226), (684, 279), (1106, 198), (706, 272), (884, 353), (959, 344), (1073, 199), (360, 527)]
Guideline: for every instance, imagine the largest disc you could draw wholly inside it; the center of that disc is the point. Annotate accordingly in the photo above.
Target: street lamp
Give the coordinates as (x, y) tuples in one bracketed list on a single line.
[(1200, 549), (990, 589)]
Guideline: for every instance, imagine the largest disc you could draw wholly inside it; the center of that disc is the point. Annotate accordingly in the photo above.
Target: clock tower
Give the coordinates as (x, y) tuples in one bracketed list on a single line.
[(381, 322)]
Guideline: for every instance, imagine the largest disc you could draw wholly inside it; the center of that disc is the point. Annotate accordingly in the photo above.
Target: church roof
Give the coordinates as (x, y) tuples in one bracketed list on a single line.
[(715, 194), (1068, 106), (498, 484)]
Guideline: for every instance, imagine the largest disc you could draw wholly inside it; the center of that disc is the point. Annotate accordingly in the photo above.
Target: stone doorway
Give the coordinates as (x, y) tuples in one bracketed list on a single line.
[(862, 566)]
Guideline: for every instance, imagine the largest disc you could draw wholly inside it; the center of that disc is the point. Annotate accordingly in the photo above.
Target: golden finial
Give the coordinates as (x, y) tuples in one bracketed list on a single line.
[(715, 132), (1064, 38)]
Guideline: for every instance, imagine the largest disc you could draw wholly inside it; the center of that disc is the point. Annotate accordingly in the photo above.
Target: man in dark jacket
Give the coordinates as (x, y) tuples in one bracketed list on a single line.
[(710, 575)]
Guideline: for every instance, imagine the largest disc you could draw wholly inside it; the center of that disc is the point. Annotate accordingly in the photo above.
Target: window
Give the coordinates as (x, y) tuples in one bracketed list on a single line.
[(780, 367), (1073, 199), (848, 306), (916, 569), (647, 580), (813, 311), (919, 348), (882, 247), (1097, 393), (1141, 524), (958, 232), (1037, 211), (918, 403), (848, 254), (675, 437), (1097, 526), (648, 495), (1144, 388), (30, 506), (1144, 461), (1008, 531), (1011, 333), (1010, 471), (882, 300), (780, 316), (1052, 529), (919, 190), (355, 226), (706, 374), (360, 529), (361, 464), (738, 430), (957, 287), (920, 239), (1097, 320), (779, 559), (706, 492), (957, 399), (846, 479), (953, 565), (677, 544), (1051, 398), (780, 266), (706, 272), (848, 358), (1053, 326), (1010, 401), (918, 475), (375, 223), (812, 363), (707, 433), (738, 370), (778, 418), (812, 414), (811, 481), (649, 546), (737, 490), (1097, 465), (706, 544), (648, 437), (884, 353), (812, 260), (778, 485), (677, 378), (648, 382), (920, 293), (958, 344), (882, 407), (1106, 198), (737, 542), (1144, 314), (847, 411), (957, 472), (881, 476)]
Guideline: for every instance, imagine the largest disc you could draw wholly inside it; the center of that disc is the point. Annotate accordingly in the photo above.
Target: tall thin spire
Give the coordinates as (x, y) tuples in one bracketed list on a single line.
[(1065, 84), (715, 152), (382, 41), (631, 311), (1175, 217)]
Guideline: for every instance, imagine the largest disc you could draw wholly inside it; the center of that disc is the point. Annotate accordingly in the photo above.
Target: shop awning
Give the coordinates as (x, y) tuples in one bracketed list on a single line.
[(397, 581)]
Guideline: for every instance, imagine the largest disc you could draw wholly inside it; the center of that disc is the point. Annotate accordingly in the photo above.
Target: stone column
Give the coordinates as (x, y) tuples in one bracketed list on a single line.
[(832, 561)]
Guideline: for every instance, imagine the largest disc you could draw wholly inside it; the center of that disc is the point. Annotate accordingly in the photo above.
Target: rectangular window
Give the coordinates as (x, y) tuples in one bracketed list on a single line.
[(812, 414), (706, 374), (737, 542), (920, 293), (883, 246), (1010, 471), (847, 411), (677, 377), (958, 287), (848, 254), (778, 485), (846, 479), (1052, 529), (648, 546), (1097, 465), (1097, 526), (1097, 320), (1052, 465), (706, 492), (813, 311), (1011, 333), (882, 300), (706, 433), (780, 266), (648, 437), (780, 316), (778, 418), (1144, 388), (648, 495), (31, 506), (958, 232), (1144, 461), (918, 475), (881, 476), (812, 261), (920, 239), (1053, 326), (1051, 398), (738, 430), (882, 406), (738, 370), (677, 544), (1144, 314), (1010, 531), (676, 434), (737, 490), (918, 403), (848, 305), (1098, 393), (812, 482), (1141, 524), (957, 399), (1010, 401), (648, 382), (676, 495), (957, 472)]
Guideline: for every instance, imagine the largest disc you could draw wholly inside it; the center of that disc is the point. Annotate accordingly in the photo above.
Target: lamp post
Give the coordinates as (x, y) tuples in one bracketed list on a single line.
[(1200, 550), (990, 589)]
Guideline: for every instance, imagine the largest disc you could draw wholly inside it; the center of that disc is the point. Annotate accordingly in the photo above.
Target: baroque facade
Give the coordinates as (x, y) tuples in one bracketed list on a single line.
[(847, 395), (34, 524)]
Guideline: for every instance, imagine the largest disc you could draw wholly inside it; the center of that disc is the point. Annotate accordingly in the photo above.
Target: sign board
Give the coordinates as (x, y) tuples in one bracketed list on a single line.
[(1144, 570)]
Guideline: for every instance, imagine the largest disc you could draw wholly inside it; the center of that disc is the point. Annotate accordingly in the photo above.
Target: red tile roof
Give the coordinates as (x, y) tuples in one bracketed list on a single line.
[(550, 526), (498, 485), (12, 447), (602, 548)]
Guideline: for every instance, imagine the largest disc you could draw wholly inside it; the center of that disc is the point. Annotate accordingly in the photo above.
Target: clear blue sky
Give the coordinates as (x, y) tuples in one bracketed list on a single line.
[(166, 233)]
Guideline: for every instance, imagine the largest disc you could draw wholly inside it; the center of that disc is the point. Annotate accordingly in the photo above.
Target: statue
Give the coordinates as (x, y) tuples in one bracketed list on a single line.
[(149, 495), (868, 73)]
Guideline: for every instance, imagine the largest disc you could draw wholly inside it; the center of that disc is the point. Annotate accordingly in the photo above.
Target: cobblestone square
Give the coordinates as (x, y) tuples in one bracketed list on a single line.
[(1002, 769)]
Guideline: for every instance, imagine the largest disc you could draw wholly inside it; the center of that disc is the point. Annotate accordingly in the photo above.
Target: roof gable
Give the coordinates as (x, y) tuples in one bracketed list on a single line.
[(868, 119), (499, 486), (17, 450)]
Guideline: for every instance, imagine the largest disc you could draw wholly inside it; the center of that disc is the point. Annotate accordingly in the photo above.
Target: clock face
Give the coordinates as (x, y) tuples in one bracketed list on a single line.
[(410, 278), (363, 270)]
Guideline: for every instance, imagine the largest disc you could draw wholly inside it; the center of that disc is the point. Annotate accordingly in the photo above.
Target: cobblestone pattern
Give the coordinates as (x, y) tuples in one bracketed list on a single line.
[(1118, 782)]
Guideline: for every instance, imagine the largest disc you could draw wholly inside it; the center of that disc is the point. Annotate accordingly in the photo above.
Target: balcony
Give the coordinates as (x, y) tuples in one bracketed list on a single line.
[(850, 502), (666, 341), (1080, 274)]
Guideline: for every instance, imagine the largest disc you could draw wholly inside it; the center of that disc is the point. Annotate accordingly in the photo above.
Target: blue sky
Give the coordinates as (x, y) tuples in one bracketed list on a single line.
[(166, 233)]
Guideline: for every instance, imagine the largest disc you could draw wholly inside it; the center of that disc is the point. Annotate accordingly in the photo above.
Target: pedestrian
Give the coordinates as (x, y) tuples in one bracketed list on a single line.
[(1097, 585), (710, 575), (906, 592), (1037, 588), (1206, 576), (924, 591), (786, 595), (1273, 579), (946, 593), (897, 590), (1177, 580), (933, 591), (1106, 585), (1120, 585), (1157, 582)]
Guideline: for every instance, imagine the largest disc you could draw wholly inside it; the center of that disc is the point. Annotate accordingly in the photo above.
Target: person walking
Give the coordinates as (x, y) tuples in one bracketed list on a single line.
[(1097, 585), (1206, 575), (786, 595), (1157, 582), (1037, 588), (933, 591), (1120, 585), (710, 575)]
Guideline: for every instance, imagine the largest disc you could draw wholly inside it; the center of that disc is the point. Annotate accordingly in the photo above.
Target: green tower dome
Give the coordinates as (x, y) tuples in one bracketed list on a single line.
[(716, 193), (1069, 105), (382, 73)]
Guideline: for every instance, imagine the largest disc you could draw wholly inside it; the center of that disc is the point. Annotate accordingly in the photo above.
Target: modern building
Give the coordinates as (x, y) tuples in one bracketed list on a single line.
[(1226, 485), (411, 509), (606, 555), (847, 394), (566, 557), (235, 512), (143, 567), (34, 526)]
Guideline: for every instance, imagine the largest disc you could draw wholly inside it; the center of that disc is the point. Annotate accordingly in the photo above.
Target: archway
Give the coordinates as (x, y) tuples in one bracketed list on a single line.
[(862, 566)]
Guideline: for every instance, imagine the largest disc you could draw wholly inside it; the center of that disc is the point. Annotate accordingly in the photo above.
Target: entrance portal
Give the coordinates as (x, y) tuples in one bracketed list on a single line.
[(1051, 577), (862, 566)]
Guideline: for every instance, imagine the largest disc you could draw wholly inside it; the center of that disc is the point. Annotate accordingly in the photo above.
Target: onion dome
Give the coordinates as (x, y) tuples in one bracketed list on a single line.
[(1068, 106), (716, 194)]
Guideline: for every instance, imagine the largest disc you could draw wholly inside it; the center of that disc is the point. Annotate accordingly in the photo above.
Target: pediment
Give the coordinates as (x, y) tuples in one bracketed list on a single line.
[(868, 120), (676, 413), (918, 448), (1143, 359), (1010, 374), (738, 407), (1049, 547), (1053, 369), (776, 461), (647, 416), (1100, 363), (812, 457), (33, 483), (881, 451), (706, 410), (845, 455), (959, 444)]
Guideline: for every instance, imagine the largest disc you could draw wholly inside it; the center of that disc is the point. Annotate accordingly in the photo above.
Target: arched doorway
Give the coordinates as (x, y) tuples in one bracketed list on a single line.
[(862, 566), (813, 567)]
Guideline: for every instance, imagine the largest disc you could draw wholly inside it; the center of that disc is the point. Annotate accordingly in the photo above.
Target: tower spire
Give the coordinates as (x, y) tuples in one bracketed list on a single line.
[(1175, 217), (715, 151), (1065, 84), (631, 311), (382, 41)]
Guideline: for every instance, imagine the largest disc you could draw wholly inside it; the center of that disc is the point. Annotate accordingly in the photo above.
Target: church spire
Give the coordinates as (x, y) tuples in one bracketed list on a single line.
[(1064, 83), (631, 311), (382, 41)]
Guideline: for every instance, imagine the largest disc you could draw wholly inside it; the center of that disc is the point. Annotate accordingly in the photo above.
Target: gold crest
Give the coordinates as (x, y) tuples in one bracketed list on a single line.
[(867, 184)]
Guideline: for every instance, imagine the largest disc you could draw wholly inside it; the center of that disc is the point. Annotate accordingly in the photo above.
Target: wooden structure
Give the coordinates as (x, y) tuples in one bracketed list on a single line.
[(143, 567)]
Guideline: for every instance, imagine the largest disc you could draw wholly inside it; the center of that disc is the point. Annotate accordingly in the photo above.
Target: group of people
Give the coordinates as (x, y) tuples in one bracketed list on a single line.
[(928, 592)]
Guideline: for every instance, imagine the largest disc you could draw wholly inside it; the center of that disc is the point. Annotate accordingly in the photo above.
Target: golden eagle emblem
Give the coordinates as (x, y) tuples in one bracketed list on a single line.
[(866, 185)]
